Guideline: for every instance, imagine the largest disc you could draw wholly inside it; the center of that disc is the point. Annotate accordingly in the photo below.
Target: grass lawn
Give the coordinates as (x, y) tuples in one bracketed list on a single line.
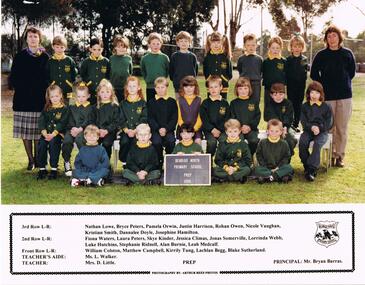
[(337, 186)]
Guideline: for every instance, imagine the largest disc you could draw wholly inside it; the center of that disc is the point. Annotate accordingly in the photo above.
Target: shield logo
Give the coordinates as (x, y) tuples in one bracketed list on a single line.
[(280, 66), (283, 109), (139, 110), (326, 233), (103, 69), (239, 153), (224, 65), (58, 115), (67, 68), (251, 107), (222, 111)]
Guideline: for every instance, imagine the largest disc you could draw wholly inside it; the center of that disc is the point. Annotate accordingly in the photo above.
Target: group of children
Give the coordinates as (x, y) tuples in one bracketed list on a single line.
[(109, 103)]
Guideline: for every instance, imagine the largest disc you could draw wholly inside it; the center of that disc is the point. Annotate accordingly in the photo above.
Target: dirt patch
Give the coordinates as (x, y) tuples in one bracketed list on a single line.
[(6, 100)]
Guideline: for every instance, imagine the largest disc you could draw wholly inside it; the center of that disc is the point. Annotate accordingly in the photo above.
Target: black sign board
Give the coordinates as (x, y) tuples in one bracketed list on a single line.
[(187, 169)]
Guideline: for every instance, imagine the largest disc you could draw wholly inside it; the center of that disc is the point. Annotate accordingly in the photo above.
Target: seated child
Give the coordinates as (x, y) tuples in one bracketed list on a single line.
[(273, 156), (92, 161), (214, 112), (52, 124), (162, 118), (142, 161), (281, 108), (245, 108), (233, 157), (187, 144), (80, 115), (316, 119)]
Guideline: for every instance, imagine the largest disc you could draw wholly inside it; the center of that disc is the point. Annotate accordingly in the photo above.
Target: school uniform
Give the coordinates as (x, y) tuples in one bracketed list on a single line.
[(92, 71), (62, 71), (108, 118), (314, 114), (247, 112), (187, 147), (188, 113), (132, 113), (53, 121), (218, 64), (120, 68), (80, 115), (283, 112), (92, 162), (214, 113), (232, 153), (142, 157), (162, 113), (271, 154), (296, 75)]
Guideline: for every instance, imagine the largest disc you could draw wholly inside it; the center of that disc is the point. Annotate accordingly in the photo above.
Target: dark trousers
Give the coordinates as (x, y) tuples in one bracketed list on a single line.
[(256, 89), (125, 143), (252, 140), (311, 160), (150, 93), (120, 94), (167, 142), (291, 140), (94, 175), (107, 142), (266, 98), (212, 142), (54, 149), (295, 91), (68, 144)]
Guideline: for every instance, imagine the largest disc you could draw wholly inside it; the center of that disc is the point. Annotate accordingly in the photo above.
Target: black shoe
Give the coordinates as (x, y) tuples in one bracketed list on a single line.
[(156, 181), (309, 176), (217, 180), (52, 175), (285, 179), (261, 180), (30, 166), (125, 182), (42, 174), (243, 180)]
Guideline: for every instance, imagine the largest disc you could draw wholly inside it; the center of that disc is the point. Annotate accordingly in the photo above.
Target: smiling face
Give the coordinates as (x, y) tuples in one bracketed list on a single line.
[(333, 40), (189, 90), (143, 136), (275, 49), (120, 49), (296, 48), (186, 136), (214, 89), (59, 49), (275, 132), (155, 45), (233, 133), (133, 88), (92, 138), (278, 97), (55, 96), (105, 94), (183, 44), (314, 95), (33, 40), (161, 90), (96, 50), (216, 46), (243, 91)]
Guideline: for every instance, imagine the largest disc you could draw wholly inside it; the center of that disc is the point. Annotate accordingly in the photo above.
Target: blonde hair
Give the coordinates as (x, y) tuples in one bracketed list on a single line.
[(91, 129), (161, 80), (59, 40), (143, 127), (277, 40), (154, 36), (129, 79), (232, 123), (120, 39), (217, 36), (51, 88), (275, 123), (297, 39), (243, 81), (105, 83), (183, 35), (213, 78)]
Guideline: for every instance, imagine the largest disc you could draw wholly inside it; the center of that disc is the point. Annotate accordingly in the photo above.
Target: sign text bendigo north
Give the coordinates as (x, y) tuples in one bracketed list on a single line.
[(216, 242)]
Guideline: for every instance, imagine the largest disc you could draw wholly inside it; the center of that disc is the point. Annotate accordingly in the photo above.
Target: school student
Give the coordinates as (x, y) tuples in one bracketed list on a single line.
[(187, 145)]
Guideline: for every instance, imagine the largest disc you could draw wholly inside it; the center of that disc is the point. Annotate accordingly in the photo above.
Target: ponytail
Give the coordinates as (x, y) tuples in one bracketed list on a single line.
[(226, 46)]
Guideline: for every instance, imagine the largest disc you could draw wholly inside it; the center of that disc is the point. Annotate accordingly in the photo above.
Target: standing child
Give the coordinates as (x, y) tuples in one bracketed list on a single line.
[(187, 144), (142, 161), (250, 65), (188, 107), (281, 108), (273, 67), (120, 65), (217, 60), (154, 64), (107, 114), (95, 67), (233, 158), (92, 162), (296, 75), (273, 156), (316, 119), (52, 124), (245, 108), (133, 112), (162, 118), (214, 112), (80, 115), (61, 68), (183, 62)]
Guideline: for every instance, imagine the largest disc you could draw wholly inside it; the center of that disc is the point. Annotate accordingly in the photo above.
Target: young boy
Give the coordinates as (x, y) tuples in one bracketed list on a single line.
[(154, 64), (92, 162), (281, 108), (250, 65), (233, 157), (162, 118), (214, 112), (61, 68), (273, 156), (80, 116), (142, 162), (95, 68), (183, 62), (187, 144)]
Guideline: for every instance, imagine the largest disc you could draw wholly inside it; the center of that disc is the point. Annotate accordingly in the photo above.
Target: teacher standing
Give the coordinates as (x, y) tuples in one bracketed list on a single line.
[(334, 66), (29, 80)]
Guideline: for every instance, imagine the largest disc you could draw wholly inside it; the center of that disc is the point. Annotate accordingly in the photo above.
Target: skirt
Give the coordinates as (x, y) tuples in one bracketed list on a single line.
[(25, 125)]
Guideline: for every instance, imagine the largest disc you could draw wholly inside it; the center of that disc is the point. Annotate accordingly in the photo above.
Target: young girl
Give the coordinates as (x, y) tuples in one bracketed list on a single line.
[(107, 114), (52, 124), (188, 107), (296, 67), (273, 67), (316, 119), (187, 145), (120, 65), (80, 115), (245, 108), (133, 112), (217, 60)]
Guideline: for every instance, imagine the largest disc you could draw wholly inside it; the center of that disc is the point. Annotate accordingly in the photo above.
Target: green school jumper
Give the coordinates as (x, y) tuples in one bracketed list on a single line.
[(189, 148), (120, 68)]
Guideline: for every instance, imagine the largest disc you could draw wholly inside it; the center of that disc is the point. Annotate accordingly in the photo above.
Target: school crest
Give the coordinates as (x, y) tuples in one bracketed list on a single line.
[(251, 107), (222, 111), (239, 153), (280, 66), (283, 109), (103, 69), (67, 68), (326, 233), (224, 65), (139, 110), (58, 115)]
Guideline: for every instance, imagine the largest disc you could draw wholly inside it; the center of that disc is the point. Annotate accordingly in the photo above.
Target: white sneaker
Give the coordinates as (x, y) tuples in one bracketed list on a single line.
[(75, 182), (88, 182), (100, 182), (68, 169)]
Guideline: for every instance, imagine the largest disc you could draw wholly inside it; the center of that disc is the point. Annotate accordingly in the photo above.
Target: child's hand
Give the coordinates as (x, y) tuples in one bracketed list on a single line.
[(162, 132), (245, 129), (180, 152), (198, 141), (103, 133), (275, 169), (216, 133), (197, 152), (231, 170), (315, 130)]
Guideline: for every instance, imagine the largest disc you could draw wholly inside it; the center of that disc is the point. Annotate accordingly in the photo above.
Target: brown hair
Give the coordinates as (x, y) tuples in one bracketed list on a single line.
[(34, 31), (316, 86), (213, 78), (189, 81), (333, 29), (106, 83), (275, 123), (277, 88), (161, 80), (297, 39), (92, 129), (277, 40), (96, 41), (51, 88), (249, 37), (133, 78), (120, 39), (81, 86), (243, 81), (217, 36), (183, 35), (154, 36), (232, 123), (59, 40)]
